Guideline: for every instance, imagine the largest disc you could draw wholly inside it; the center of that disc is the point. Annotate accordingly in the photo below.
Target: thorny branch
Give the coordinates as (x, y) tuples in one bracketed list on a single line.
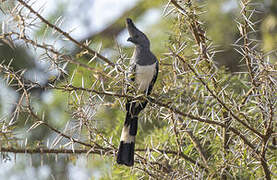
[(218, 99), (49, 48), (65, 34), (252, 60), (252, 139), (95, 149), (170, 107), (198, 147)]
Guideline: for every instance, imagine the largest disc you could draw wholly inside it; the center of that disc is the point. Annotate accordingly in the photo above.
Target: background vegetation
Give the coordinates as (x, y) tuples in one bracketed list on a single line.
[(212, 114)]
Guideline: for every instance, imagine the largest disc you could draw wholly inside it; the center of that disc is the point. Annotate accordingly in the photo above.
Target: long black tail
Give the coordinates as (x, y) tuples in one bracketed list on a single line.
[(127, 141)]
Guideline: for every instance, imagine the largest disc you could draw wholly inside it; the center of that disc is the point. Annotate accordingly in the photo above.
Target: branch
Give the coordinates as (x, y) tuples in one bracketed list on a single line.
[(49, 151), (177, 154), (197, 32), (217, 98), (52, 50), (268, 134), (244, 33), (65, 34), (40, 122), (198, 147), (173, 109)]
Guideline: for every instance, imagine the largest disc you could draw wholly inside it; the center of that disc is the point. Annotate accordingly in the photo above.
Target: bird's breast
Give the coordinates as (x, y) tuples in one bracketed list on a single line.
[(144, 76)]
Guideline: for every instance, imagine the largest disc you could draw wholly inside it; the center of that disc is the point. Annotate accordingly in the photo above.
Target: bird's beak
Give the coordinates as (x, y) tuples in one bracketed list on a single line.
[(131, 29), (129, 22), (130, 39)]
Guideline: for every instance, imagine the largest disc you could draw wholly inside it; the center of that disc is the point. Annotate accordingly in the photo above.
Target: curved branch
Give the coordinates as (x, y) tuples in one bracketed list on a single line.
[(173, 109), (65, 34), (49, 151), (218, 99)]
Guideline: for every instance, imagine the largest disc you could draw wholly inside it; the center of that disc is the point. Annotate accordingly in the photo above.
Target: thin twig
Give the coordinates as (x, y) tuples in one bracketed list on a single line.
[(198, 147)]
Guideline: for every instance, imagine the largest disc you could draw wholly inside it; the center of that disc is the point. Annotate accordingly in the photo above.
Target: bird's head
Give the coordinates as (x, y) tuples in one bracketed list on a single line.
[(136, 36)]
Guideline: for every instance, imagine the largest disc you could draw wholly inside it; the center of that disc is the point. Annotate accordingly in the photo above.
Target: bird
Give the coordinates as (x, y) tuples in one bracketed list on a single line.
[(144, 68)]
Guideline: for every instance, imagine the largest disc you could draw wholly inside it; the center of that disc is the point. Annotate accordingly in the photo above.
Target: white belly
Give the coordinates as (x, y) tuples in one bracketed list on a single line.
[(144, 76)]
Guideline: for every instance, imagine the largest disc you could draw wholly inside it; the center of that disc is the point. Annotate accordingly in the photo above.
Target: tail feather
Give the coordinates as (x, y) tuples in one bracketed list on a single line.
[(127, 141), (126, 153), (133, 123)]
